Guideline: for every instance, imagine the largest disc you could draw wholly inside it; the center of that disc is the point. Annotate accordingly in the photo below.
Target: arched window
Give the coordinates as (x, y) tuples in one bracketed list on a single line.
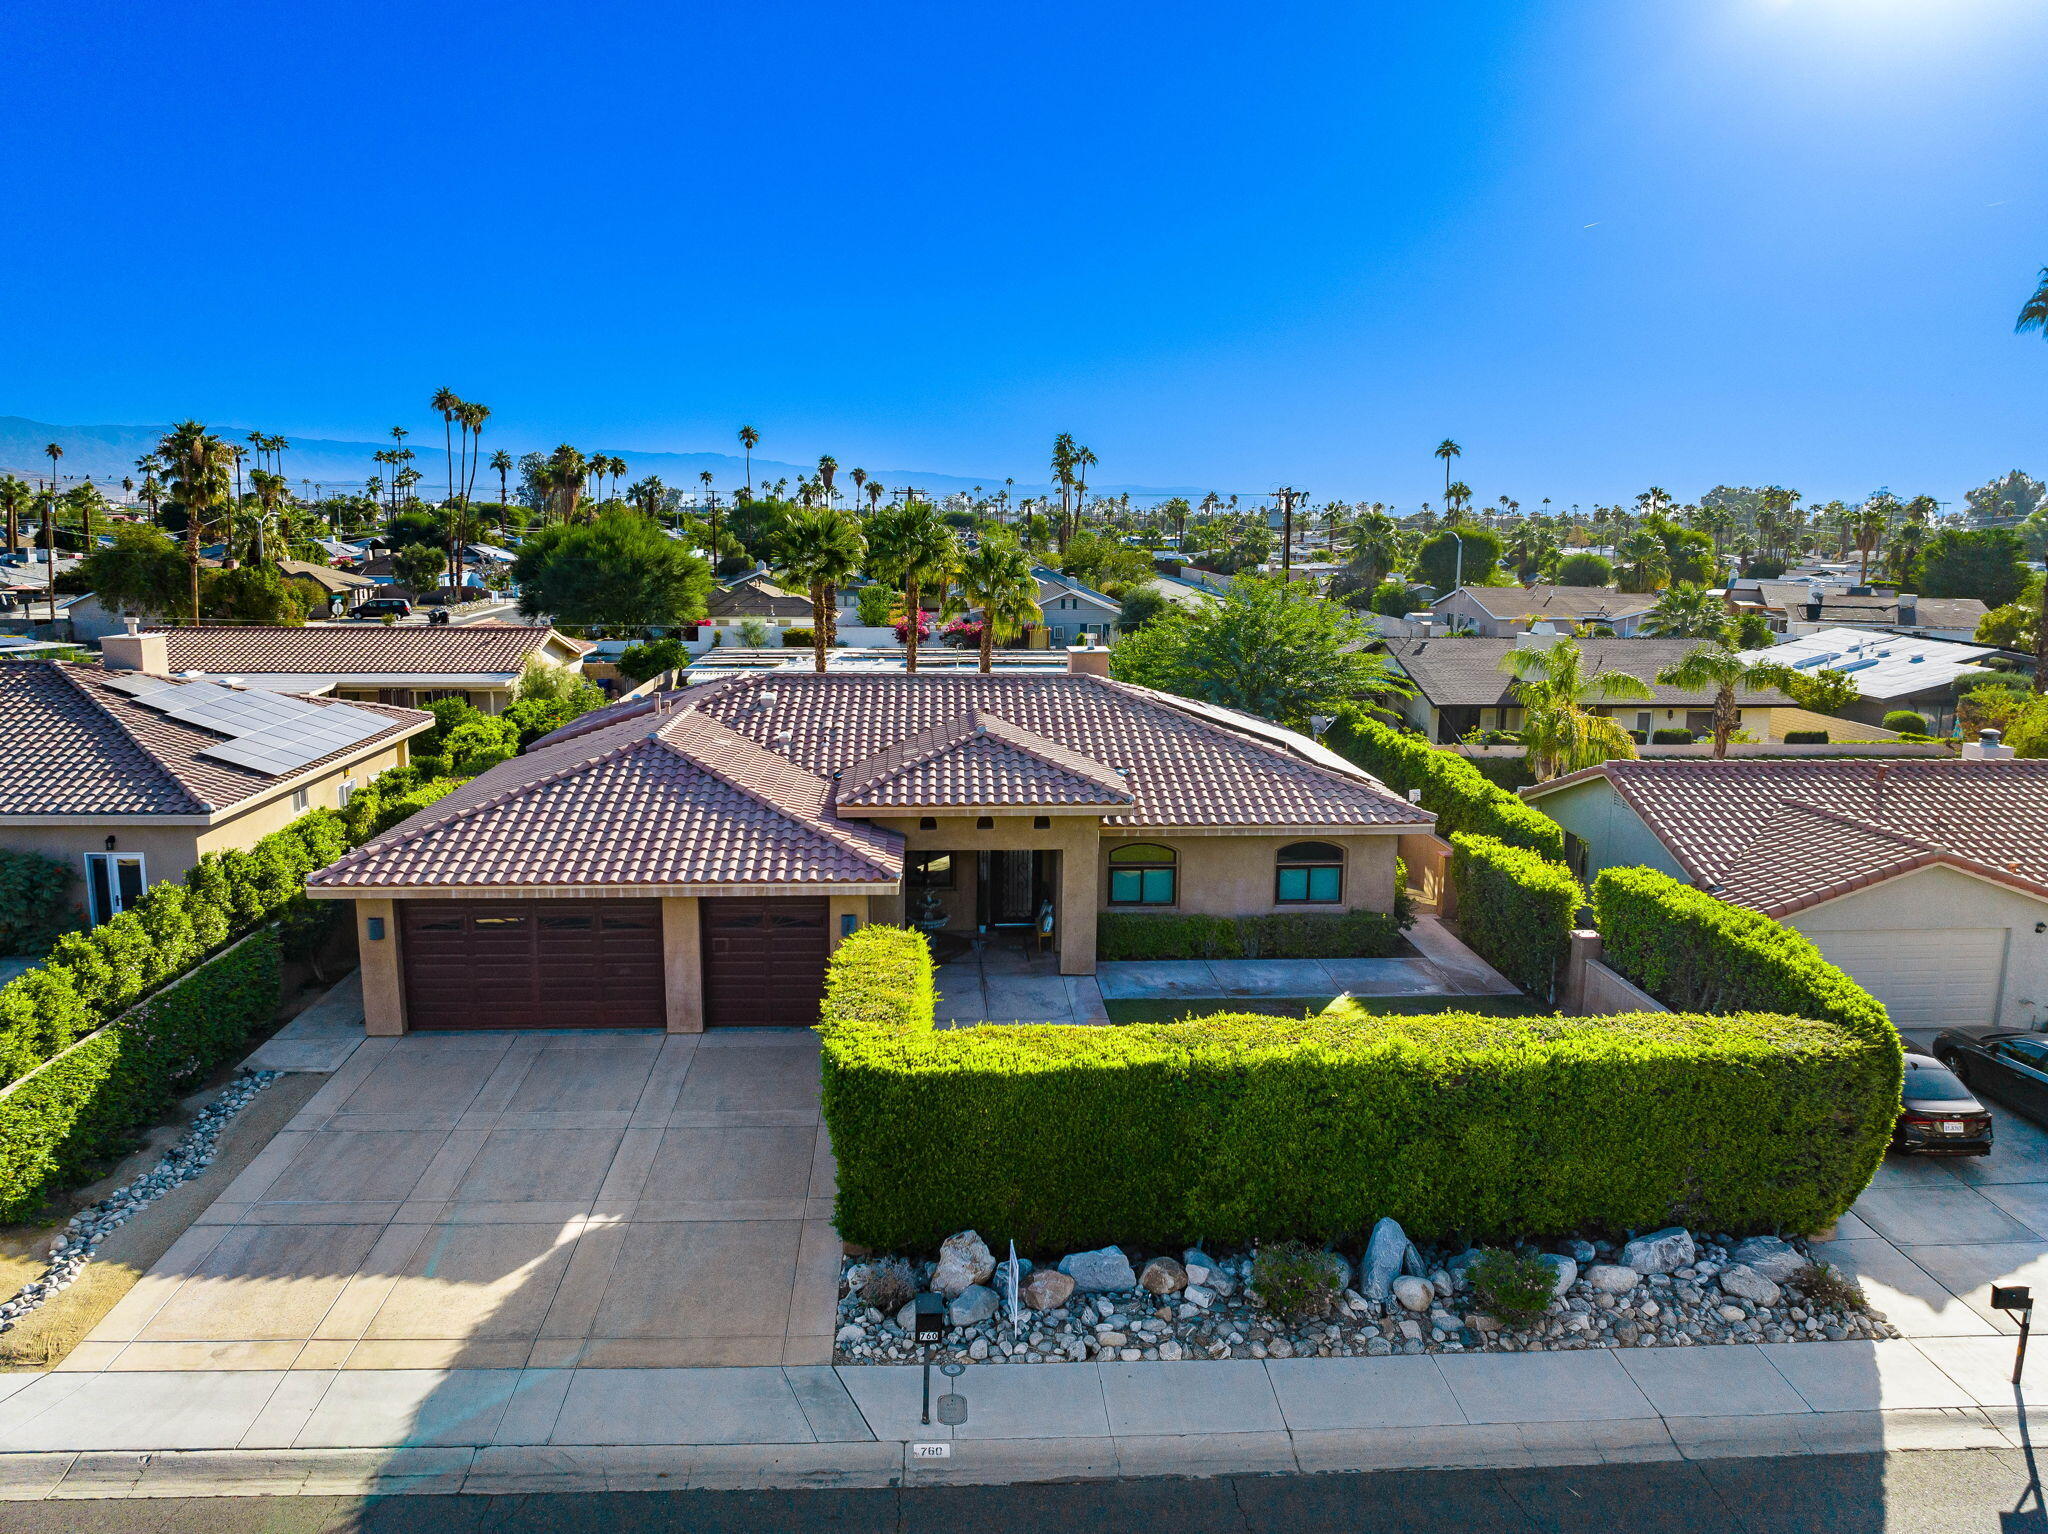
[(1142, 873), (1309, 873)]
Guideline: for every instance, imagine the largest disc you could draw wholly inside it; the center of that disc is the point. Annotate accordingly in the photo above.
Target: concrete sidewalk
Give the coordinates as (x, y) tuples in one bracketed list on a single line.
[(267, 1432)]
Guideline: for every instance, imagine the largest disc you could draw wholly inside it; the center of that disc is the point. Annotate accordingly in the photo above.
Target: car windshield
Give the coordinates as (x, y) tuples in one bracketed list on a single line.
[(1933, 1084)]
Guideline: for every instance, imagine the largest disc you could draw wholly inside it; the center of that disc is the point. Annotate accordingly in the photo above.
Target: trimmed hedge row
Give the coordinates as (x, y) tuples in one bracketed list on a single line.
[(81, 1108), (1696, 953), (1515, 909), (880, 977), (1306, 935), (1453, 790)]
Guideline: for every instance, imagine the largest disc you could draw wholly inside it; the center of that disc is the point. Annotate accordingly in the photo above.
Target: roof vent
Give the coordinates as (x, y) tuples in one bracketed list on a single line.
[(781, 738), (767, 697)]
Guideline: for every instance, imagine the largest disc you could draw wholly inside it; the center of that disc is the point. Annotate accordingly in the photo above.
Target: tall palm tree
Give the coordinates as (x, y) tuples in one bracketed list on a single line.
[(859, 478), (1375, 544), (1642, 560), (1447, 450), (54, 453), (1687, 611), (821, 547), (997, 578), (1867, 527), (569, 471), (749, 440), (910, 546), (16, 495), (828, 466), (472, 416), (502, 462), (874, 495), (196, 465), (270, 491), (1562, 734), (1723, 669), (2034, 316), (446, 401)]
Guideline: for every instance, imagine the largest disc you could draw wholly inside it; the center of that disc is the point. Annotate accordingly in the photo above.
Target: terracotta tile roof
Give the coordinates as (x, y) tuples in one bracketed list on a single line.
[(675, 801), (1774, 835), (358, 649), (980, 759), (756, 598), (1465, 672), (71, 745)]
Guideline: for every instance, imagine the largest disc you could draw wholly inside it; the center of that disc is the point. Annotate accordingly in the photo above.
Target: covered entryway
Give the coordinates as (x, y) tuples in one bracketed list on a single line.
[(764, 962), (1927, 977), (532, 963)]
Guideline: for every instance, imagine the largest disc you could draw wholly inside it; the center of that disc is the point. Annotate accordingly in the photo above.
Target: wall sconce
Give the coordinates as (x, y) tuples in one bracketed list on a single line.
[(848, 924), (374, 927), (984, 822), (110, 843)]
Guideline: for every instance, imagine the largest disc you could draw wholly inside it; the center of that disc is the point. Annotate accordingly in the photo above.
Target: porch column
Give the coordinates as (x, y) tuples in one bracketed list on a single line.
[(682, 964), (1076, 916), (841, 907), (383, 983)]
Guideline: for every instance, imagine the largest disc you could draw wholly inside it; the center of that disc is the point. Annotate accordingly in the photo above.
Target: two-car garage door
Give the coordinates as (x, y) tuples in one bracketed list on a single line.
[(1926, 977), (599, 963)]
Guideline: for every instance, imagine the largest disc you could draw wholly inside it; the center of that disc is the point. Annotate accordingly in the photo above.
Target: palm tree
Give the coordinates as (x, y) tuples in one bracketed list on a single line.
[(472, 416), (16, 495), (1686, 611), (1723, 669), (749, 440), (910, 546), (53, 452), (270, 492), (447, 402), (196, 464), (1643, 562), (1375, 544), (1447, 450), (2034, 316), (822, 548), (502, 462), (997, 578), (568, 471), (827, 467), (1561, 733), (874, 495)]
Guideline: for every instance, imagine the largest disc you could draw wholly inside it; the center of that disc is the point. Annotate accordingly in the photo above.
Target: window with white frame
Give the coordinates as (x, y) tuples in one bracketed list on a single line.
[(114, 881), (301, 799)]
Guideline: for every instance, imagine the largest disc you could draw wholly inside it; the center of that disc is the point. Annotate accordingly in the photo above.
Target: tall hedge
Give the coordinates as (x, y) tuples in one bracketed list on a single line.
[(1232, 1127), (880, 977), (1515, 908), (1696, 953), (1453, 790), (1281, 935), (72, 1113)]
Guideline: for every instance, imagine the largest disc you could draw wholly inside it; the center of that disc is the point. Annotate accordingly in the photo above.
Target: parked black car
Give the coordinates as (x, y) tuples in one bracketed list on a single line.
[(2007, 1064), (1938, 1114)]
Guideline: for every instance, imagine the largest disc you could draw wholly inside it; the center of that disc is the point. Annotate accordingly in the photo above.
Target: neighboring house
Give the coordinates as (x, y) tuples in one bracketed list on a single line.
[(1802, 607), (127, 778), (757, 599), (1190, 595), (1890, 671), (690, 859), (406, 665), (339, 590), (1459, 687), (1074, 612), (1927, 881), (1496, 611)]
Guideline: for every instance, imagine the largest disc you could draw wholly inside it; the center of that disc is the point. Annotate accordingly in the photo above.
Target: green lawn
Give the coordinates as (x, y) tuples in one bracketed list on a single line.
[(1173, 1009)]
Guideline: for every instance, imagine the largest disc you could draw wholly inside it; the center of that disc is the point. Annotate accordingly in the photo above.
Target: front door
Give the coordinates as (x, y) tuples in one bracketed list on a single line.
[(764, 962), (1008, 888)]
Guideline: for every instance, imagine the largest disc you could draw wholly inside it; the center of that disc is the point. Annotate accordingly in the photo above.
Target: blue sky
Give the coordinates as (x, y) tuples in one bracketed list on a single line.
[(1602, 243)]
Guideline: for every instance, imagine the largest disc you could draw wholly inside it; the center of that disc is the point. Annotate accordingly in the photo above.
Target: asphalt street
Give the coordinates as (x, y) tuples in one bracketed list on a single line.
[(1928, 1492)]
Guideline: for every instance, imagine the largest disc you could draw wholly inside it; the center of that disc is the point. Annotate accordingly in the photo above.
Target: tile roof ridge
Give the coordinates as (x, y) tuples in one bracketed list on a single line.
[(414, 827), (860, 839), (90, 696)]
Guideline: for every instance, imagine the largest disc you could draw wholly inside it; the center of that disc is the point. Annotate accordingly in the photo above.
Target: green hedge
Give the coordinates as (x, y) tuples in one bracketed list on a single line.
[(1453, 790), (35, 901), (1231, 1128), (1352, 935), (1515, 908), (880, 977), (1695, 953), (74, 1112)]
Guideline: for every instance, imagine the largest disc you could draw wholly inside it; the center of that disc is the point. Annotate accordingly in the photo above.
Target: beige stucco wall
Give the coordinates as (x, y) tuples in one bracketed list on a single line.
[(1937, 898), (682, 963), (383, 983), (1233, 875)]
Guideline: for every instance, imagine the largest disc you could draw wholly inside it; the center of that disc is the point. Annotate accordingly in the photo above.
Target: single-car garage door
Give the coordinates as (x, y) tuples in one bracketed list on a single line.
[(532, 963), (1926, 976), (764, 962)]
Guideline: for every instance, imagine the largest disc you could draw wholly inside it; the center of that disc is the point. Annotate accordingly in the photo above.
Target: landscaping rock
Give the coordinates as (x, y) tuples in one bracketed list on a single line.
[(1412, 1293), (1163, 1276), (973, 1305), (1387, 1255), (1774, 1259), (1566, 1273), (1582, 1252), (963, 1260), (1099, 1272), (1661, 1251), (1747, 1284), (1045, 1289), (1611, 1278)]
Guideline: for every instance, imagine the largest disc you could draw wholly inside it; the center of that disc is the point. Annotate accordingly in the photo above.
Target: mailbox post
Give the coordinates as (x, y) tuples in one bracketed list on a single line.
[(931, 1328)]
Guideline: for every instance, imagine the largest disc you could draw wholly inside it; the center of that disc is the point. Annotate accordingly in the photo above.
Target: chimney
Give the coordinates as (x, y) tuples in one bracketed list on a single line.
[(1987, 748), (136, 652), (1909, 607), (1088, 659)]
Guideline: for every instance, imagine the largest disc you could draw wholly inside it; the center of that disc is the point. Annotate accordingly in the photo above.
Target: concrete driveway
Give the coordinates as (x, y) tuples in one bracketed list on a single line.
[(509, 1200)]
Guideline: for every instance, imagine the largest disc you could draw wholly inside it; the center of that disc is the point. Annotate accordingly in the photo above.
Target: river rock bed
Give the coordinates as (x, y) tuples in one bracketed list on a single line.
[(1670, 1288)]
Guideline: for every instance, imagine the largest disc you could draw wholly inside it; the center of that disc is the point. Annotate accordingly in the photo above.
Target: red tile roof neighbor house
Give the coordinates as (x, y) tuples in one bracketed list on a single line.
[(981, 760), (359, 649)]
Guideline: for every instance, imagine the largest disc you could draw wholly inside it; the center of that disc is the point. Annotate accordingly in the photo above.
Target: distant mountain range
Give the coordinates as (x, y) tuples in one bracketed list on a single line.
[(108, 453)]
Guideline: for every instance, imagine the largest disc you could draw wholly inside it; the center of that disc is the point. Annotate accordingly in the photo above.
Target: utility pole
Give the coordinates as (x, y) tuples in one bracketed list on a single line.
[(1288, 496)]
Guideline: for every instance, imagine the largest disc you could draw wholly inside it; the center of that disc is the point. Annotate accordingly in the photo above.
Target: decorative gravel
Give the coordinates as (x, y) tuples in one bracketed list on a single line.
[(193, 1154), (1214, 1311)]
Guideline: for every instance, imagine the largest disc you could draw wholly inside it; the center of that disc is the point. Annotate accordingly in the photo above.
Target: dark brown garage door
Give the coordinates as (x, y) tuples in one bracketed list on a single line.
[(764, 962), (532, 963)]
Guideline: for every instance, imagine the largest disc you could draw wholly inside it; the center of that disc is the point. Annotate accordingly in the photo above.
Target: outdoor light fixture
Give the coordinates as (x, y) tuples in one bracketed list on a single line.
[(2016, 1297), (374, 925), (110, 843)]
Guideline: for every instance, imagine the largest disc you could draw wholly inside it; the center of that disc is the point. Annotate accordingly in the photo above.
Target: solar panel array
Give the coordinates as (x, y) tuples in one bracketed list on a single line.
[(266, 732)]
